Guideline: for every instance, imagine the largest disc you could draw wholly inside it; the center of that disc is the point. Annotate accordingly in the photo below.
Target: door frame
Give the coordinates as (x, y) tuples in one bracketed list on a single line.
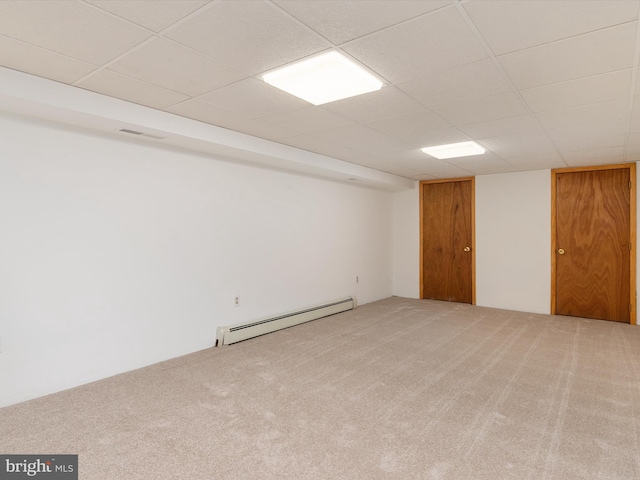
[(632, 229), (473, 231)]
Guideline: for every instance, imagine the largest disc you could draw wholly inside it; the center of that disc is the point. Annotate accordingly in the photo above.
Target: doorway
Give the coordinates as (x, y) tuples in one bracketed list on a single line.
[(593, 243), (447, 240)]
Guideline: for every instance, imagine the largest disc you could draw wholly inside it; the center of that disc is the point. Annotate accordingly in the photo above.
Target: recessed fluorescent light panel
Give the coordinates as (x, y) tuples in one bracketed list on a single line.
[(324, 78), (454, 150)]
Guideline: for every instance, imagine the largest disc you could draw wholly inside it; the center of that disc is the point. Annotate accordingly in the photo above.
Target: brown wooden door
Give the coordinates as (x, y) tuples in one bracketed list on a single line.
[(592, 244), (447, 241)]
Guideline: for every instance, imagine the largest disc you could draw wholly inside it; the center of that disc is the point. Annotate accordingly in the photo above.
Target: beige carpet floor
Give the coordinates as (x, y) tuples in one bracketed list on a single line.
[(396, 389)]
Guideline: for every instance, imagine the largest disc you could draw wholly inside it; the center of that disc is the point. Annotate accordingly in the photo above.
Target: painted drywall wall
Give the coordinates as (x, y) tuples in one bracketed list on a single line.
[(513, 241), (116, 254), (406, 243)]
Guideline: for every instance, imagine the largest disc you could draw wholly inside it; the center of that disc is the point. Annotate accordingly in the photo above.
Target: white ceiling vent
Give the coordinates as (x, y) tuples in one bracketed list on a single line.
[(132, 132), (139, 134)]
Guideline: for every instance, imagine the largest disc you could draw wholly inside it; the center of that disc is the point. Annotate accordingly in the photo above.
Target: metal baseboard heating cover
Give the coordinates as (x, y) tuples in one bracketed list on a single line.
[(243, 331)]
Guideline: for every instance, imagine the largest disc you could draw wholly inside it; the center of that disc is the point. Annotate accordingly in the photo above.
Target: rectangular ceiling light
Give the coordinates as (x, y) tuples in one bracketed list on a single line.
[(454, 150), (324, 78)]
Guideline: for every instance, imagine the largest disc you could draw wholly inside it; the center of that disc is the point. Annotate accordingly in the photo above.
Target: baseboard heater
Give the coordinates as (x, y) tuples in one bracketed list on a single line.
[(243, 331)]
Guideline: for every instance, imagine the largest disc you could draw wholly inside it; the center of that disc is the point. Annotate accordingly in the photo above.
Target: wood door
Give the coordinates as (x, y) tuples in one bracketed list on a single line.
[(593, 244), (447, 240)]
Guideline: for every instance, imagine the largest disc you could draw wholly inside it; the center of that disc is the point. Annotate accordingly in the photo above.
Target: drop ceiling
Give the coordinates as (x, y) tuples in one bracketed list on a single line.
[(539, 84)]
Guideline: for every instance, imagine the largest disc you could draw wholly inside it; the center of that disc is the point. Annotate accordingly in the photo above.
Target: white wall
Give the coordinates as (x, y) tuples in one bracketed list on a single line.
[(406, 243), (513, 241), (115, 255)]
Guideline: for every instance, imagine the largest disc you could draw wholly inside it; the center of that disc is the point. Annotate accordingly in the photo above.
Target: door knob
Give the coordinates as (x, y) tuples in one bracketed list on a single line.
[(561, 251), (467, 249)]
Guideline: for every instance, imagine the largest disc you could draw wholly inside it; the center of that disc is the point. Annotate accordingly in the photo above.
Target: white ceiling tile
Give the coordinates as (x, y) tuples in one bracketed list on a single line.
[(633, 154), (520, 145), (634, 139), (172, 66), (593, 155), (126, 88), (634, 125), (458, 85), (362, 139), (635, 114), (486, 157), (637, 91), (320, 145), (591, 136), (601, 160), (206, 113), (590, 54), (483, 109), (446, 170), (407, 126), (583, 131), (263, 129), (371, 159), (416, 159), (384, 103), (537, 162), (341, 21), (390, 165), (388, 162), (309, 120), (515, 25), (592, 143), (385, 149), (420, 177), (410, 173), (368, 161), (429, 138), (416, 48), (594, 89), (483, 167), (426, 165), (253, 98), (583, 114), (74, 29), (156, 15), (446, 77), (43, 63), (501, 127), (250, 36), (633, 149)]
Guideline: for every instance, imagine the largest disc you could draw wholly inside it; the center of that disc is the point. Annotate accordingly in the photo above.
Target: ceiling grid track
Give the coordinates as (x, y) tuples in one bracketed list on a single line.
[(340, 48), (632, 91), (38, 47), (155, 35), (463, 13), (113, 61), (540, 84)]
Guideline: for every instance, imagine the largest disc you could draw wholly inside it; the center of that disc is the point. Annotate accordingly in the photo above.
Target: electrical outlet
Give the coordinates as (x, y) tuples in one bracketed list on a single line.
[(236, 301), (357, 280)]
